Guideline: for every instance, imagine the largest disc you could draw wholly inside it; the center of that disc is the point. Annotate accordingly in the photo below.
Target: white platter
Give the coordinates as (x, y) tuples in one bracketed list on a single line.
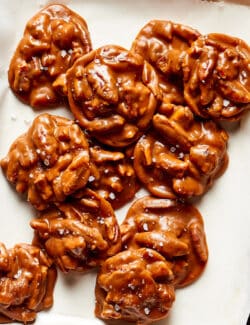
[(222, 295)]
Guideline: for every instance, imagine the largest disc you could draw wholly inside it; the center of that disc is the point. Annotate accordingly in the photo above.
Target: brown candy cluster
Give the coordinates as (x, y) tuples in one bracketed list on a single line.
[(217, 77), (173, 229), (164, 44), (49, 162), (80, 234), (147, 117), (113, 91), (27, 283), (53, 39), (183, 155), (135, 285)]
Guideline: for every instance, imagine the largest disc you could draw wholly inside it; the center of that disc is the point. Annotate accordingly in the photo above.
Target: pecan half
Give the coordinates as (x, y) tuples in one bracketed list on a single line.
[(27, 280), (78, 234), (174, 229), (134, 285), (49, 162), (53, 39)]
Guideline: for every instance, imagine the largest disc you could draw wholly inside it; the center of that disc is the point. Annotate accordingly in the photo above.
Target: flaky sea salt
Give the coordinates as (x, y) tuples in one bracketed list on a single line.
[(131, 286), (145, 227), (117, 307), (173, 149), (46, 162), (226, 102), (181, 155), (63, 53), (91, 178), (18, 274), (112, 196), (100, 220), (26, 121)]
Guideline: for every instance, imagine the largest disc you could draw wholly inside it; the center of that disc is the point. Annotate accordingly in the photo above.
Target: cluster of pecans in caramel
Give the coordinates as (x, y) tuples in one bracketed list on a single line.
[(145, 117)]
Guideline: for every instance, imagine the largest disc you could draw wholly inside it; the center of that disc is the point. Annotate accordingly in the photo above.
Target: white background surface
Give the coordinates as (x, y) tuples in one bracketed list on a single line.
[(222, 295)]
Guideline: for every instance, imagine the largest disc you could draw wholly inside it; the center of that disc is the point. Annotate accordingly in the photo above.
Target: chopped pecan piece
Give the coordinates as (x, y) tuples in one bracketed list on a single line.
[(78, 234), (134, 285), (174, 229), (49, 162), (185, 159), (113, 94), (27, 280), (53, 39), (217, 77)]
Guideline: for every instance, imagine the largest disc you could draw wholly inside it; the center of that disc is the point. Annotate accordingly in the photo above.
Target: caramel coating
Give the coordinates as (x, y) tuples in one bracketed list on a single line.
[(49, 162), (112, 175), (27, 280), (186, 159), (78, 234), (171, 90), (53, 39), (113, 94), (134, 285), (164, 44), (217, 77), (174, 229)]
